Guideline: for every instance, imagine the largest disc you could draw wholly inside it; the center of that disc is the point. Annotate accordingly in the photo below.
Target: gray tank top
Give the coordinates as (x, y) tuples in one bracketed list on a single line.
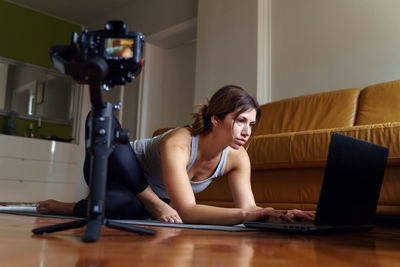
[(148, 155)]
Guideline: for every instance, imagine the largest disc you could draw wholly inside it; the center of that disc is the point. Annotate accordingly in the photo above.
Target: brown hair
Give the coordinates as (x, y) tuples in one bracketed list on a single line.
[(228, 99)]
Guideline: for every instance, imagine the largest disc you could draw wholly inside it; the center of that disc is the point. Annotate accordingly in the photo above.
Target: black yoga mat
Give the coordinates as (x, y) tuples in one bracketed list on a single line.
[(31, 211)]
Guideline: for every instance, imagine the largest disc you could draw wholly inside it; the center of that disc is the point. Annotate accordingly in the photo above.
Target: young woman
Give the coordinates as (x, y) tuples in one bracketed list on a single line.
[(159, 177)]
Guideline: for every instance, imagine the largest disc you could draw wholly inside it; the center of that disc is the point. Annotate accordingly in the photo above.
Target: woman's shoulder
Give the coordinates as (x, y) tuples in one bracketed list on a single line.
[(237, 154), (179, 137), (236, 158)]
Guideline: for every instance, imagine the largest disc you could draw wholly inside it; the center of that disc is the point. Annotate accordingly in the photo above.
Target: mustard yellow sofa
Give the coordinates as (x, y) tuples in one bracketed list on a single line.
[(289, 148)]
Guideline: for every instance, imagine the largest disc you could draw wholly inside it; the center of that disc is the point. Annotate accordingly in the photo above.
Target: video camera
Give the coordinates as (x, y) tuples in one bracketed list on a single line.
[(113, 56)]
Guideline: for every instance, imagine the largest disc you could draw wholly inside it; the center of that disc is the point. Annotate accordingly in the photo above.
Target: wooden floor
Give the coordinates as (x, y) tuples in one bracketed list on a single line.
[(186, 247)]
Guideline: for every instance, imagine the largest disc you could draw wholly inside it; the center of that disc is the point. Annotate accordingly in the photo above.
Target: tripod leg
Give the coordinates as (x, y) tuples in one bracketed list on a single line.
[(129, 228), (59, 227), (92, 229)]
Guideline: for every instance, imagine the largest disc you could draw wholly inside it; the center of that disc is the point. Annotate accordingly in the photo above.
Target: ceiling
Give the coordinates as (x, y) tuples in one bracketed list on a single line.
[(84, 12), (77, 11)]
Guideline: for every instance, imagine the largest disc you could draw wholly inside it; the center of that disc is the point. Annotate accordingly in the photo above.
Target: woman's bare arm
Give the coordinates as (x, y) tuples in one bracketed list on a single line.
[(238, 172)]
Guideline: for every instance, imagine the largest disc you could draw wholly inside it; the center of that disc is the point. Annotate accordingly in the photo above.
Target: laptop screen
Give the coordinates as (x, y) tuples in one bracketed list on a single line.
[(352, 182)]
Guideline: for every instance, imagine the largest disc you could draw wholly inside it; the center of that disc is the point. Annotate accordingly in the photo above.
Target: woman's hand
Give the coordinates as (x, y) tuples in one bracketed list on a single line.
[(271, 214), (301, 215), (262, 214)]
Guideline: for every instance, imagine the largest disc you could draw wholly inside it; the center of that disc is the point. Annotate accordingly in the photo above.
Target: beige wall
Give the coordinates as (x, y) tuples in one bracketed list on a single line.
[(226, 46), (324, 45)]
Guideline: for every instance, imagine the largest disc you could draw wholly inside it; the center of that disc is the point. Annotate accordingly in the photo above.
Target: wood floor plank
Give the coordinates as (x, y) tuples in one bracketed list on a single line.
[(188, 247)]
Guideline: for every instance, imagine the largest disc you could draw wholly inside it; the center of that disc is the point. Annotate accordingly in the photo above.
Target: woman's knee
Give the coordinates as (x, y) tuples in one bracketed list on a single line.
[(123, 204)]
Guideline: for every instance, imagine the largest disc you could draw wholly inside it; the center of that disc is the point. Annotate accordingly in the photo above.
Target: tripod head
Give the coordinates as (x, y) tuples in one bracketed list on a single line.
[(103, 58)]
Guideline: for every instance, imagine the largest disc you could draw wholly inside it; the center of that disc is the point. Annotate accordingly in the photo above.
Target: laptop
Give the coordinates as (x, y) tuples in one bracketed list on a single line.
[(349, 193)]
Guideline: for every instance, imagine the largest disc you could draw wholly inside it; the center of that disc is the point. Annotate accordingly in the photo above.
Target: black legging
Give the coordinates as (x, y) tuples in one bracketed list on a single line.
[(125, 180)]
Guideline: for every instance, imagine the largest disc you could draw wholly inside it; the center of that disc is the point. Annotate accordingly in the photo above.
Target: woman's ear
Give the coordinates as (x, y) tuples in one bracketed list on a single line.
[(215, 121)]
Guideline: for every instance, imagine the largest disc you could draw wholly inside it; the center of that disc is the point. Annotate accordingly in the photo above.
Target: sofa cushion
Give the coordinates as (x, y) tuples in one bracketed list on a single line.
[(379, 103), (318, 111), (310, 148), (161, 131)]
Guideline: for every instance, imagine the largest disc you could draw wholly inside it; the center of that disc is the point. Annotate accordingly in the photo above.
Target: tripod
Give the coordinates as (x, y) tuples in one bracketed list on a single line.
[(102, 133)]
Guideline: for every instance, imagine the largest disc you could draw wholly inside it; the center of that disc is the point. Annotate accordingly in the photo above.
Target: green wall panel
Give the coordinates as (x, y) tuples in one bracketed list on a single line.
[(46, 131), (27, 35)]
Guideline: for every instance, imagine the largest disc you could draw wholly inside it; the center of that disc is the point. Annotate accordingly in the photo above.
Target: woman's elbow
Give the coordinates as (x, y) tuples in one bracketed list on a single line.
[(187, 214)]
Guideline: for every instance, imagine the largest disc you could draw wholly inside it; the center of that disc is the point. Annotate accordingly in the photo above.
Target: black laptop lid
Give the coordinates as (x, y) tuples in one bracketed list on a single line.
[(352, 182)]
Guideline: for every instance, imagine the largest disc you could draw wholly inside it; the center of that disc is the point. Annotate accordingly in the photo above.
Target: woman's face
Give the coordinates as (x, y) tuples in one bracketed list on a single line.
[(242, 127)]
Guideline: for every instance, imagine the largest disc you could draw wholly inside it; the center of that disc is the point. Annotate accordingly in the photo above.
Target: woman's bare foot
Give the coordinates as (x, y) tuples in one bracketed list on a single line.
[(162, 212), (52, 206), (158, 209)]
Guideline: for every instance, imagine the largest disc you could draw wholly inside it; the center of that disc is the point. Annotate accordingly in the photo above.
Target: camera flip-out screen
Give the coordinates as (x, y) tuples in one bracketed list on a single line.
[(117, 48)]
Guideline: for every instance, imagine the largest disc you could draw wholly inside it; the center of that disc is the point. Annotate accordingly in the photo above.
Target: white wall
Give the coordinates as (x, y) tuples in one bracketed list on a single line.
[(149, 95), (324, 45), (177, 104), (226, 46), (166, 98)]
